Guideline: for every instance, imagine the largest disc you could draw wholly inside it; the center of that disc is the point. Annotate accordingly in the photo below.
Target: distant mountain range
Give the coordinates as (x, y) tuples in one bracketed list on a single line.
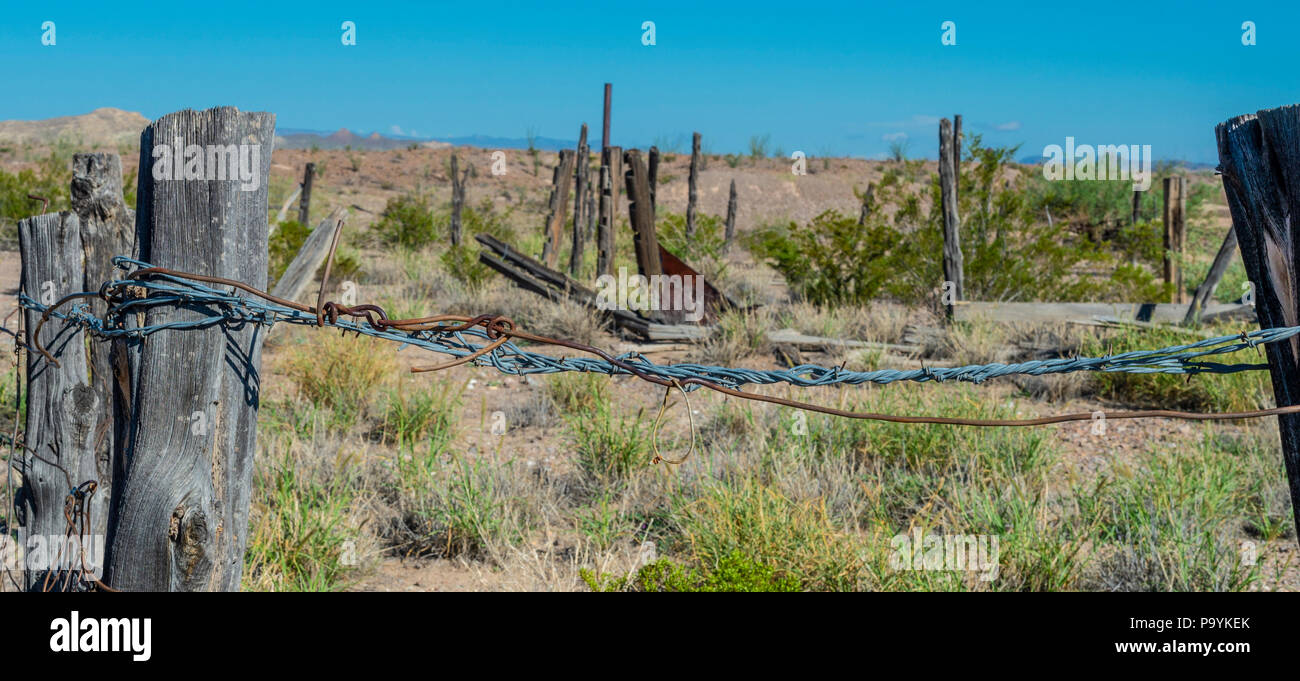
[(293, 138)]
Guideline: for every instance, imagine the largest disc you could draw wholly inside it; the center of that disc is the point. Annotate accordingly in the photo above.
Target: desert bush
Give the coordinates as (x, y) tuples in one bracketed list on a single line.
[(705, 250), (406, 221), (735, 572), (1008, 253)]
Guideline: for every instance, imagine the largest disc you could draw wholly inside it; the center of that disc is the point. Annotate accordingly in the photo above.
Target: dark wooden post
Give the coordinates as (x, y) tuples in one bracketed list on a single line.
[(653, 176), (579, 202), (691, 187), (952, 259), (180, 521), (1258, 155), (1175, 228), (956, 157), (611, 178), (1203, 292), (458, 180), (304, 205), (558, 205), (604, 127), (1137, 205), (866, 204), (730, 232)]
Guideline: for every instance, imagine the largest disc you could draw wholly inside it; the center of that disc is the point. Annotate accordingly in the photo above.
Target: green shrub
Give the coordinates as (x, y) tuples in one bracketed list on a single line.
[(704, 250), (407, 221), (734, 573)]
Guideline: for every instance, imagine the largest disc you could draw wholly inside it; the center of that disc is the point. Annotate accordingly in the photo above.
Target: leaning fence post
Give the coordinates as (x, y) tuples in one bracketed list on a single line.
[(1258, 155), (652, 161), (952, 260), (1206, 289), (180, 521)]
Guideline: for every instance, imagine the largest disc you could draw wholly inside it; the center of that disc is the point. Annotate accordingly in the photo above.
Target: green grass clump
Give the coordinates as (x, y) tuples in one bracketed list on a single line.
[(301, 526), (734, 573), (423, 412)]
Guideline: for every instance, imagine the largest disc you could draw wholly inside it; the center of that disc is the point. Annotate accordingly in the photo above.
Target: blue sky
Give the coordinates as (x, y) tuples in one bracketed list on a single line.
[(817, 77)]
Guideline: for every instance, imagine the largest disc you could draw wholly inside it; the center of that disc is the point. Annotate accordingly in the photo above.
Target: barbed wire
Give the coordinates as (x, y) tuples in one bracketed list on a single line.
[(488, 340)]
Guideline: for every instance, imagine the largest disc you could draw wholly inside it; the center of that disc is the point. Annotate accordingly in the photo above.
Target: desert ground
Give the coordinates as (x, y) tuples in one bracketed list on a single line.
[(378, 479)]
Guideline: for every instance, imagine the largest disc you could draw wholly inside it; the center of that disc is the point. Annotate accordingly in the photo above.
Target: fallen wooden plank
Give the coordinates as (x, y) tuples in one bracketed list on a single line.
[(1113, 323), (314, 250), (1168, 313)]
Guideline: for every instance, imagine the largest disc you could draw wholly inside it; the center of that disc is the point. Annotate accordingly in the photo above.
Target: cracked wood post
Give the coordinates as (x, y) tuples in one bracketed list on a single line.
[(611, 178), (107, 230), (952, 260), (1175, 229), (956, 157), (180, 521), (558, 205), (579, 202), (75, 410), (1259, 156), (1203, 292), (62, 406), (304, 205), (691, 195), (730, 231)]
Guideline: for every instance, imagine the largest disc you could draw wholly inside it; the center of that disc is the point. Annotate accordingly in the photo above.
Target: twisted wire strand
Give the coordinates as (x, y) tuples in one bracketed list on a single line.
[(488, 341)]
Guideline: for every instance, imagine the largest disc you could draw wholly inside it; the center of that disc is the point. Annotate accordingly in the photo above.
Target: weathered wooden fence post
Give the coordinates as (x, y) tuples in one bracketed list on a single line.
[(1203, 292), (1258, 156), (956, 157), (1137, 205), (604, 127), (1175, 229), (76, 410), (952, 259), (641, 213), (304, 206), (457, 198), (692, 180), (558, 205), (62, 406), (180, 521), (730, 231), (579, 202), (611, 178)]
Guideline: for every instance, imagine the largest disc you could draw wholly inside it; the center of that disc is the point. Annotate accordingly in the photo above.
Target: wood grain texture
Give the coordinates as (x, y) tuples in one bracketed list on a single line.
[(1175, 229), (558, 205), (181, 519), (107, 230), (302, 270), (63, 408), (1259, 157)]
